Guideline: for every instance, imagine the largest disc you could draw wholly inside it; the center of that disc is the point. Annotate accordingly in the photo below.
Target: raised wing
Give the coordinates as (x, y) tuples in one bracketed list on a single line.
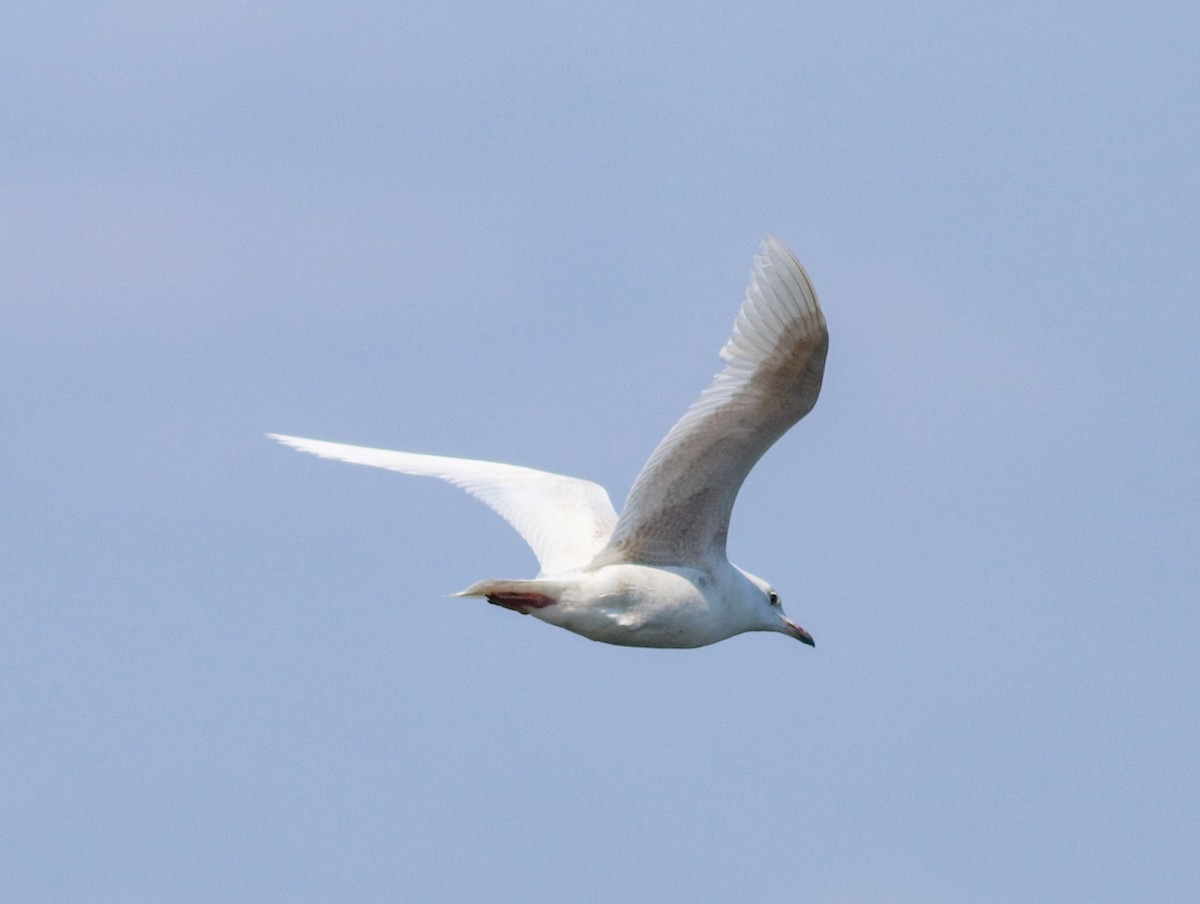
[(678, 510), (565, 520)]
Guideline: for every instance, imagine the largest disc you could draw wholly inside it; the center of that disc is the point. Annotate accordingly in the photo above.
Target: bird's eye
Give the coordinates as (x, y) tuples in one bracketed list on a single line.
[(773, 598)]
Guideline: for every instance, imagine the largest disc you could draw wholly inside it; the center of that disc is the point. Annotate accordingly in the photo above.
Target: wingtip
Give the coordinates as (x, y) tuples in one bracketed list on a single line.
[(774, 247), (772, 243)]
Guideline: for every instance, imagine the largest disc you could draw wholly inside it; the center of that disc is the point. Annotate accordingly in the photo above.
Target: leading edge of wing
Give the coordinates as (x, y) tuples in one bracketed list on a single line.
[(565, 520)]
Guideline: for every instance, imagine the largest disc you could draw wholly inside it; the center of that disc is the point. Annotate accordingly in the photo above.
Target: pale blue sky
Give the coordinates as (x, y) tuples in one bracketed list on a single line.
[(229, 672)]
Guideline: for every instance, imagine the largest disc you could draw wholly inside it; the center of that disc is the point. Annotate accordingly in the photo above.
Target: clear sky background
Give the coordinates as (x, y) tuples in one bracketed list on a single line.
[(521, 231)]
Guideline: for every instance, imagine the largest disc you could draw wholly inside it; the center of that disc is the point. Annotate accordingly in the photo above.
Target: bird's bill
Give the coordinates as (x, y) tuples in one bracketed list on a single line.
[(792, 629)]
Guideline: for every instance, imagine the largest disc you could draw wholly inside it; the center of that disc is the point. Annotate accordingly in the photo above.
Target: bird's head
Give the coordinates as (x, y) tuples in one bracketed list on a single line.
[(768, 611)]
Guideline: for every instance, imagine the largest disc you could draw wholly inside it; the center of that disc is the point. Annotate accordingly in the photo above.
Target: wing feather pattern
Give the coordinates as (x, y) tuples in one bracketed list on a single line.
[(678, 510)]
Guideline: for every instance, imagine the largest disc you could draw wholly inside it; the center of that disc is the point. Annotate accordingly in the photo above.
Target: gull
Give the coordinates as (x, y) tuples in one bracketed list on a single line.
[(658, 575)]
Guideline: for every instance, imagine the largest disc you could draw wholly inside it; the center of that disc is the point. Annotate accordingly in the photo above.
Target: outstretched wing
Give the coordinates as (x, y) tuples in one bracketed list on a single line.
[(678, 510), (565, 520)]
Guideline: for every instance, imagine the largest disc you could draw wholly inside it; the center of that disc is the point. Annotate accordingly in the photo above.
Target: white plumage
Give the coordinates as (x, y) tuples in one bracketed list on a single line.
[(657, 576)]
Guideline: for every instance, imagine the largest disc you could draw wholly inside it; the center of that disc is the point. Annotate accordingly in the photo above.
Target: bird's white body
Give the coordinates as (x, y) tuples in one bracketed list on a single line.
[(646, 605), (657, 576)]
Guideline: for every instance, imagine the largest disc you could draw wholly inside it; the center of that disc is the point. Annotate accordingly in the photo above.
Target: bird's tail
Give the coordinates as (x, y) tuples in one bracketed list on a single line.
[(519, 596)]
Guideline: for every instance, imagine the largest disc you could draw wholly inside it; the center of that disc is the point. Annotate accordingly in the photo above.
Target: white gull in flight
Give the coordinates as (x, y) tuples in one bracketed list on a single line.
[(657, 576)]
